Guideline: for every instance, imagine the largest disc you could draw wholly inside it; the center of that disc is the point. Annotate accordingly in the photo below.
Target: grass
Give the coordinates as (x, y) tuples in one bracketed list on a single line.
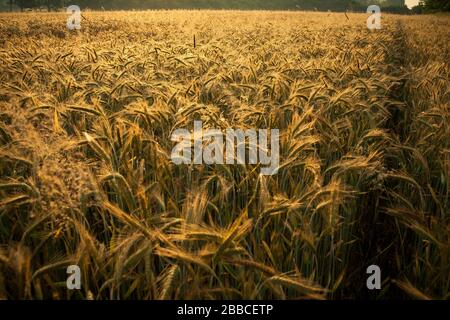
[(86, 176)]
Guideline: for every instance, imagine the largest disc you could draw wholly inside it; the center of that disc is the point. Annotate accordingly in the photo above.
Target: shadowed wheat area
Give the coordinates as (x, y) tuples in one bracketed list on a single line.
[(86, 177)]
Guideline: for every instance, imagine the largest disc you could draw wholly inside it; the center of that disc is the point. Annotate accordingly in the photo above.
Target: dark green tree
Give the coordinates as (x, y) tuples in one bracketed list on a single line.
[(24, 4), (437, 5), (52, 4)]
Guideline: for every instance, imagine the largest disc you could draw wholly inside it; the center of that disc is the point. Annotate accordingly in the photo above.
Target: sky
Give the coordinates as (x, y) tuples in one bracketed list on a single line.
[(412, 3)]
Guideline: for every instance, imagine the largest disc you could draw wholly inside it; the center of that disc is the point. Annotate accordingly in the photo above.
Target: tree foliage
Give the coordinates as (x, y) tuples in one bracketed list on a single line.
[(333, 5), (437, 5), (323, 5)]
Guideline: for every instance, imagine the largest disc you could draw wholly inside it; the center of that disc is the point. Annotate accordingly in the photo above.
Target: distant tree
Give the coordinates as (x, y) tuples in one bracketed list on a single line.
[(437, 5), (23, 4), (431, 6), (53, 4), (333, 5), (419, 9), (395, 3), (322, 5)]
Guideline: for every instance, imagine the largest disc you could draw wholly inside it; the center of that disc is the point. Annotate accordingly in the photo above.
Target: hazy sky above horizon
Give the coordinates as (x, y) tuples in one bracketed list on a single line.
[(412, 3)]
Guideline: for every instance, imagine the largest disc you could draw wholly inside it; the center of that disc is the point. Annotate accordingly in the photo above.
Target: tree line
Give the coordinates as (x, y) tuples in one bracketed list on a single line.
[(320, 5), (432, 6)]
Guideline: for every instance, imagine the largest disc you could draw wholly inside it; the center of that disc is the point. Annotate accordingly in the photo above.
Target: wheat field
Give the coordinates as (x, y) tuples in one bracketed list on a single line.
[(86, 177)]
